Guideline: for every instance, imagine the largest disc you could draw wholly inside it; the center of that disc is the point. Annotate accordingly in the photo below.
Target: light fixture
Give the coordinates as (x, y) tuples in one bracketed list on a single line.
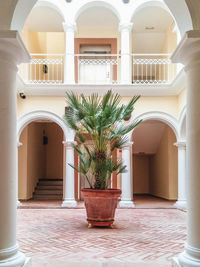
[(125, 1), (22, 95), (149, 28)]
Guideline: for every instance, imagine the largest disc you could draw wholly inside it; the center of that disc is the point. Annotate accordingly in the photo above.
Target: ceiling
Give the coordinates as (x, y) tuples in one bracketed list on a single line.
[(155, 17), (44, 19), (147, 136), (97, 18)]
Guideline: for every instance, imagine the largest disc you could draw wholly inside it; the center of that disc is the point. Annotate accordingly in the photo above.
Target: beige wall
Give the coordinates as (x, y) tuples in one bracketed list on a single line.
[(170, 41), (56, 104), (181, 101), (163, 168), (54, 151), (37, 160), (140, 174), (31, 163)]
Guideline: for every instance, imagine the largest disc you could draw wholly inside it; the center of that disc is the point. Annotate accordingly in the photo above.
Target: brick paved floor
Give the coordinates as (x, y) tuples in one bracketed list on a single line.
[(141, 237)]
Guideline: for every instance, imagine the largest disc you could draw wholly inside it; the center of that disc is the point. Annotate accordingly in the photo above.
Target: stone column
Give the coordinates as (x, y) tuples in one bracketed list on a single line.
[(69, 67), (127, 190), (69, 199), (12, 53), (18, 145), (125, 29), (188, 53), (181, 202)]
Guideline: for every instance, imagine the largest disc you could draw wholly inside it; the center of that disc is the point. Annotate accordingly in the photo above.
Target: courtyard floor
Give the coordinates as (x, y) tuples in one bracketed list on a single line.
[(148, 235)]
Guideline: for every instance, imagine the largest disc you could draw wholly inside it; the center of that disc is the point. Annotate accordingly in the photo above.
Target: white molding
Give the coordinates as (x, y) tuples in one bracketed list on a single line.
[(126, 204), (24, 120)]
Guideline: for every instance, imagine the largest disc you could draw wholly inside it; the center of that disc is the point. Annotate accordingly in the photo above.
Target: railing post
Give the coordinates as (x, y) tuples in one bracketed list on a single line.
[(69, 68), (125, 29)]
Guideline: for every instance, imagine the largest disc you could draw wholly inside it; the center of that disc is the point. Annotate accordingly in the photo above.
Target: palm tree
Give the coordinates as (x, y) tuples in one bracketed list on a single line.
[(101, 120)]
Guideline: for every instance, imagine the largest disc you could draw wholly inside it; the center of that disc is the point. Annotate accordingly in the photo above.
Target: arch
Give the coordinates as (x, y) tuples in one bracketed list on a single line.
[(38, 115), (87, 4), (178, 10), (23, 9), (182, 124), (160, 116)]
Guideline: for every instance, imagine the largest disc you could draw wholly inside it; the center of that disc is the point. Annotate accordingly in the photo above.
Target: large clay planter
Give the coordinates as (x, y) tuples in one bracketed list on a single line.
[(100, 206)]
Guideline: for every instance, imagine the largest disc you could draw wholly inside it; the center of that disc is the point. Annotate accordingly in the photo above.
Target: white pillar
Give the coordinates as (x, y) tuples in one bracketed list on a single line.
[(181, 202), (127, 190), (69, 67), (188, 53), (12, 53), (69, 199), (125, 29), (18, 145)]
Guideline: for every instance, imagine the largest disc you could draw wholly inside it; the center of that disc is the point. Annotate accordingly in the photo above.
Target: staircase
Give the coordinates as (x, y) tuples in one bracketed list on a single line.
[(49, 189)]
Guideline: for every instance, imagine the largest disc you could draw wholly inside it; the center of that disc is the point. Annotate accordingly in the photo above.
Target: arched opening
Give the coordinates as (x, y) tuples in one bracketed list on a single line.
[(155, 162), (96, 43), (154, 37), (45, 40), (40, 161)]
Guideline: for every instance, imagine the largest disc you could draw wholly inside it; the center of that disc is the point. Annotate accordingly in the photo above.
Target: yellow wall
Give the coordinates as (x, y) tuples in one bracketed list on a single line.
[(140, 174), (163, 168), (56, 104), (170, 42)]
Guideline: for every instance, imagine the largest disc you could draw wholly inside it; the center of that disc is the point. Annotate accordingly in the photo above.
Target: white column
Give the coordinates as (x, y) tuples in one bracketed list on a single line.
[(188, 53), (127, 190), (125, 29), (181, 202), (69, 67), (12, 52), (18, 145), (69, 199)]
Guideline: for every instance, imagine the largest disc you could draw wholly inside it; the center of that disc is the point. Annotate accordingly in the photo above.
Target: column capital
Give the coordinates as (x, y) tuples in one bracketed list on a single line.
[(188, 50), (127, 145), (19, 144), (180, 144), (69, 27), (69, 144), (125, 26), (12, 48)]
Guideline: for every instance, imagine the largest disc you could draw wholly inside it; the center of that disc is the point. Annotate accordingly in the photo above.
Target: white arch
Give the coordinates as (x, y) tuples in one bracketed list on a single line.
[(85, 4), (160, 116), (24, 8), (38, 115), (182, 124), (178, 10)]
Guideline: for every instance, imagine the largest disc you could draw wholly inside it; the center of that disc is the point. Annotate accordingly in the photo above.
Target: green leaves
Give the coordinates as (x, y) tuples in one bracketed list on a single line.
[(101, 121)]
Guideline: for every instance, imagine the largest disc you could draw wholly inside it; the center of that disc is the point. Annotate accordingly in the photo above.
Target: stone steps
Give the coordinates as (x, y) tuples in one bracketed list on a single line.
[(49, 189)]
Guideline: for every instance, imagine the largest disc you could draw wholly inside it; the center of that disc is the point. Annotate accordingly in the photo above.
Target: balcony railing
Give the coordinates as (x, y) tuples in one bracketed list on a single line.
[(99, 69), (43, 69)]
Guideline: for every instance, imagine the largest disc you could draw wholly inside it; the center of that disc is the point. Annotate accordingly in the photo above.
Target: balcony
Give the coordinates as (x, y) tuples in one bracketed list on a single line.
[(101, 69)]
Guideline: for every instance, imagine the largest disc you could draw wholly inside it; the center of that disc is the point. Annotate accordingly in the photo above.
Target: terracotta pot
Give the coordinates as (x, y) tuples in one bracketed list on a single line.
[(100, 206)]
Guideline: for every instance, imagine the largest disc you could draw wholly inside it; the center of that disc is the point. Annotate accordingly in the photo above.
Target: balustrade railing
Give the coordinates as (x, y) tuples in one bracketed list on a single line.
[(99, 69), (43, 69), (153, 69)]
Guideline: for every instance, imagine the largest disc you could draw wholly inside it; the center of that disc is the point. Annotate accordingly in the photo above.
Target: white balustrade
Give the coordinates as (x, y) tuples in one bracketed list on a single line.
[(153, 69), (43, 69), (148, 69)]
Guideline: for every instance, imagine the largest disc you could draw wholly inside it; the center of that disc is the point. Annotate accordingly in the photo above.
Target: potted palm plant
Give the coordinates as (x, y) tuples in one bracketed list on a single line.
[(102, 121)]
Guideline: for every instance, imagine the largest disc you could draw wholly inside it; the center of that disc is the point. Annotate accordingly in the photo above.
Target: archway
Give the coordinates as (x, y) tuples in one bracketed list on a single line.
[(155, 162), (44, 127), (41, 161)]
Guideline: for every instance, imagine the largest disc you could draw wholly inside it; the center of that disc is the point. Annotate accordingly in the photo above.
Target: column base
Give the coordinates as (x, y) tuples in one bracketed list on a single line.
[(126, 204), (19, 203), (187, 260), (69, 203), (18, 260), (181, 204)]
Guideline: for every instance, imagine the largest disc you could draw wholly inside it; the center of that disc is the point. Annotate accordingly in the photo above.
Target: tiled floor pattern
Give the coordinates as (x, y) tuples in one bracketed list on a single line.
[(141, 237)]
